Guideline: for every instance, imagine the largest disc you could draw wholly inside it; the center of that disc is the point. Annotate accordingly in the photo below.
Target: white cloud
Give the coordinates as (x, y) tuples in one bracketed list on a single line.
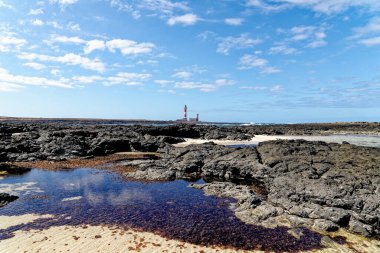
[(126, 47), (4, 5), (126, 78), (164, 6), (10, 82), (313, 36), (37, 22), (234, 21), (371, 41), (94, 45), (368, 35), (256, 88), (54, 24), (373, 26), (74, 27), (9, 42), (34, 65), (87, 79), (204, 86), (64, 2), (277, 89), (270, 70), (129, 47), (261, 4), (187, 19), (241, 42), (55, 72), (282, 49), (163, 83), (273, 89), (36, 12), (182, 75), (69, 59), (161, 8), (252, 61), (320, 6), (64, 39)]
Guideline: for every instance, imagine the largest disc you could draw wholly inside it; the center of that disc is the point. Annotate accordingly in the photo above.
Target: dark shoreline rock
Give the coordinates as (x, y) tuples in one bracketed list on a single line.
[(6, 199), (314, 184)]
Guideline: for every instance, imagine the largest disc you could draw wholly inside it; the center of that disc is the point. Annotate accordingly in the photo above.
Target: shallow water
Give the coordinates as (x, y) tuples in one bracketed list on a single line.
[(170, 209)]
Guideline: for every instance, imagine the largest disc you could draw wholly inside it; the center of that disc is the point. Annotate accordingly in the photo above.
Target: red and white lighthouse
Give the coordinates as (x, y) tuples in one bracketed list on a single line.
[(185, 113)]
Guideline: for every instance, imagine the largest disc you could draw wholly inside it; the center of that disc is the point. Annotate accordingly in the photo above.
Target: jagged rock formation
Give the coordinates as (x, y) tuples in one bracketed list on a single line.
[(325, 186)]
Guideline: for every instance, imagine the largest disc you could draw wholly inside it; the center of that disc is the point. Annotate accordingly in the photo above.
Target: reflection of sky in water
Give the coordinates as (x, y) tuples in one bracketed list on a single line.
[(171, 209)]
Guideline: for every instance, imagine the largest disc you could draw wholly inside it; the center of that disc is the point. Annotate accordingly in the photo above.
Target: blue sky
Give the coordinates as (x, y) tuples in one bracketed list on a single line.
[(228, 60)]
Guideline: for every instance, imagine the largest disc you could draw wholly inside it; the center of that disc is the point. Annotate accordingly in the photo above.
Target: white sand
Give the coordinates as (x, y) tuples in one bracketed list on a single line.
[(9, 221), (360, 140), (91, 239)]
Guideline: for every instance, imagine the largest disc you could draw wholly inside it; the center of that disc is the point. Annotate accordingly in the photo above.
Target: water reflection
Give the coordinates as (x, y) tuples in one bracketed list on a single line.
[(170, 209)]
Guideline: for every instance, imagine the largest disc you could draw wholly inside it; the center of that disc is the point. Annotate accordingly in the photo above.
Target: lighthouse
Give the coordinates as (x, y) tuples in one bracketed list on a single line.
[(185, 113)]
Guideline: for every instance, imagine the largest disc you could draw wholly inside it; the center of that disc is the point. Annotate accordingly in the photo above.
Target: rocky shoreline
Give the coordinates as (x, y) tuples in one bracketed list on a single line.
[(288, 182)]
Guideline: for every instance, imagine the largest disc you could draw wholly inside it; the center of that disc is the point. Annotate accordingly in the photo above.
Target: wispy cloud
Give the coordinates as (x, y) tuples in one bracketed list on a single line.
[(313, 35), (282, 49), (127, 78), (161, 8), (5, 5), (272, 89), (204, 86), (182, 74), (64, 3), (87, 79), (252, 61), (232, 43), (320, 6), (34, 65), (368, 35), (68, 59), (10, 82)]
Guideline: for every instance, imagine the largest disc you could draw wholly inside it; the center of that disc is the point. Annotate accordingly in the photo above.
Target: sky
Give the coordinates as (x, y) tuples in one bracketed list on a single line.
[(279, 61)]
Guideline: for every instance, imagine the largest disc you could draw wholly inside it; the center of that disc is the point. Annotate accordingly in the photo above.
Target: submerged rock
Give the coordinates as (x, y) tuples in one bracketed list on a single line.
[(6, 199)]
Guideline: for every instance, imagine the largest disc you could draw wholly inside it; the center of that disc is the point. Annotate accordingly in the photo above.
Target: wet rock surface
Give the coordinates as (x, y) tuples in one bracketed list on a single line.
[(6, 198), (314, 184)]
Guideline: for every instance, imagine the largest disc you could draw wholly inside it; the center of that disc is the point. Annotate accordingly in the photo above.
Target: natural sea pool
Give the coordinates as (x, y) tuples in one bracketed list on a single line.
[(169, 209)]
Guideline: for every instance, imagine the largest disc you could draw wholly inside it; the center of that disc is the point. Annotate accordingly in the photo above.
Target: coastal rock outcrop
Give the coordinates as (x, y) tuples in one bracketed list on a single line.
[(315, 184), (298, 183)]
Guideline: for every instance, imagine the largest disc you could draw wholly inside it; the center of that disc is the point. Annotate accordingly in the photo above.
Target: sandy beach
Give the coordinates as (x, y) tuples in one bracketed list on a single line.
[(94, 239)]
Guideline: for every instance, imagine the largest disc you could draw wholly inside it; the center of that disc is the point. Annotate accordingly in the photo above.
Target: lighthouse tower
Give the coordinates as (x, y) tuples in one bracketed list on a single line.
[(185, 113)]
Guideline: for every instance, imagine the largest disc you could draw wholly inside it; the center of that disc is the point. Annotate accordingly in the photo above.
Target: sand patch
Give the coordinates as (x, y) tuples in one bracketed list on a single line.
[(89, 239), (10, 221)]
